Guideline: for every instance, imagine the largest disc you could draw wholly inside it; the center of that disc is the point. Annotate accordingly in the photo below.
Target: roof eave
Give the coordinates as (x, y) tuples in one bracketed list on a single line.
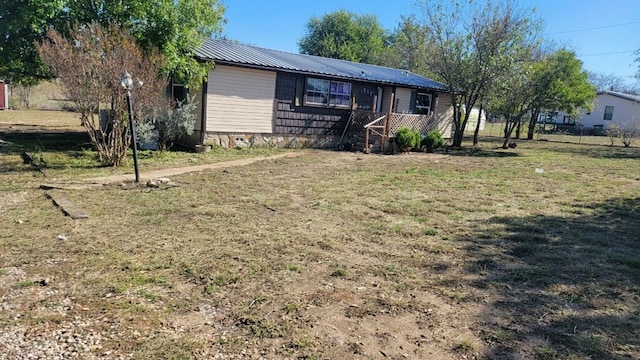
[(618, 95), (302, 72)]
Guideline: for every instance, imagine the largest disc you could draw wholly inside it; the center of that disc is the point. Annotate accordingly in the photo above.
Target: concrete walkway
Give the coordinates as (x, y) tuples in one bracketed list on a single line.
[(155, 174)]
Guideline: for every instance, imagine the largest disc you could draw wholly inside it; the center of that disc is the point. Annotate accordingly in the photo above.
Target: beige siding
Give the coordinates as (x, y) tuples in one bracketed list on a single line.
[(403, 99), (240, 100), (386, 97), (444, 115)]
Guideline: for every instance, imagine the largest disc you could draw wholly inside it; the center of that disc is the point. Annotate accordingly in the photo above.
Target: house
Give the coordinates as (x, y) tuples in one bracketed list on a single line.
[(610, 108), (555, 121), (261, 97), (555, 118)]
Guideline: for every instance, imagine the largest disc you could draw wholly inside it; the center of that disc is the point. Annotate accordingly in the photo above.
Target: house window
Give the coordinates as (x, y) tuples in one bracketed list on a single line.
[(326, 92), (340, 94), (179, 92), (423, 103), (608, 112)]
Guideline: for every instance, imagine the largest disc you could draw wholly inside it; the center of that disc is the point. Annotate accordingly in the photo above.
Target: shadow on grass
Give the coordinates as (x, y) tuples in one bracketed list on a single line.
[(566, 287), (485, 153), (49, 141), (50, 150), (597, 151), (600, 151)]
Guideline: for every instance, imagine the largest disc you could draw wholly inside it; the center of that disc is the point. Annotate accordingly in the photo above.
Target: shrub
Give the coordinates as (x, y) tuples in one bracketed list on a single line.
[(167, 126), (628, 133), (628, 136), (612, 132), (89, 63), (433, 140), (407, 138)]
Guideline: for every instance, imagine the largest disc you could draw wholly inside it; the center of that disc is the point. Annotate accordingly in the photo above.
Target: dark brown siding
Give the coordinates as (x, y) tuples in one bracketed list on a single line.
[(308, 120)]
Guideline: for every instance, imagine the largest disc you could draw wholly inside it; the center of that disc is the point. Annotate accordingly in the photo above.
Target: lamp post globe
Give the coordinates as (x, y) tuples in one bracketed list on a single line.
[(126, 81)]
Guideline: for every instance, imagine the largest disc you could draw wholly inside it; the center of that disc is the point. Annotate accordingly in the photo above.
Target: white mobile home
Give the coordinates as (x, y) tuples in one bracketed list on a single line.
[(613, 107)]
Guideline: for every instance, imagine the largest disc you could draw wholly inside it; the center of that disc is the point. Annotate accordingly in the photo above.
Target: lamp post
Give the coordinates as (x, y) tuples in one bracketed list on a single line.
[(127, 82)]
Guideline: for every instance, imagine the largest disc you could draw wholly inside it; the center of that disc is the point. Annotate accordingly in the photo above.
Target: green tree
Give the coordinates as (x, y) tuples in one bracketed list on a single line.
[(176, 28), (22, 24), (408, 46), (471, 45), (555, 82), (569, 90), (347, 36)]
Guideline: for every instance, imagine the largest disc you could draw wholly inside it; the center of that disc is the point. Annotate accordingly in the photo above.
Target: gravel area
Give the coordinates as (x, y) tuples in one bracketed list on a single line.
[(73, 340), (24, 298)]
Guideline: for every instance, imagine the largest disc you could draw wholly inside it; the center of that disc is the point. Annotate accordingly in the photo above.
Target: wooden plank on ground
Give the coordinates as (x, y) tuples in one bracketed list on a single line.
[(28, 158), (69, 207)]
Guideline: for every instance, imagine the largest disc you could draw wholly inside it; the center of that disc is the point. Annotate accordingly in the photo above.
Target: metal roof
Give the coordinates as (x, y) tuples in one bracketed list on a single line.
[(229, 52), (620, 95)]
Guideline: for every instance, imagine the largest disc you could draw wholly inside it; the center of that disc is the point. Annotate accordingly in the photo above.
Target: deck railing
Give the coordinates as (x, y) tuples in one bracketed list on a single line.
[(422, 123), (377, 127), (385, 125)]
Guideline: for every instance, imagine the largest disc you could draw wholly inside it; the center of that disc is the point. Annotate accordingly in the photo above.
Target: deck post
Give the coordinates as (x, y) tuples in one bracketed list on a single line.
[(387, 120), (366, 141)]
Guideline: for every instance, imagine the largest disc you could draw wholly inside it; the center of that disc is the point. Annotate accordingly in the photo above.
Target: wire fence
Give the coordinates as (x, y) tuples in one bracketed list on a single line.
[(548, 133)]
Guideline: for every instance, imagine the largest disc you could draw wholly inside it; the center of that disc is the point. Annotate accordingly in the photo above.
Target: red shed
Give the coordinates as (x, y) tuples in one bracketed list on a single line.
[(4, 95)]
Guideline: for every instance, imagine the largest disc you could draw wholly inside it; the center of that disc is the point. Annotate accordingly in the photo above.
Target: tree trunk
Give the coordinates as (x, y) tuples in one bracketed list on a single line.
[(477, 131), (458, 131), (508, 130), (512, 123), (518, 129), (24, 94), (532, 123)]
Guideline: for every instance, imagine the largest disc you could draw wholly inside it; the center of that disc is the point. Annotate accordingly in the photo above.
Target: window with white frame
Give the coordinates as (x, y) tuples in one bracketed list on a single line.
[(608, 112), (423, 103), (328, 93)]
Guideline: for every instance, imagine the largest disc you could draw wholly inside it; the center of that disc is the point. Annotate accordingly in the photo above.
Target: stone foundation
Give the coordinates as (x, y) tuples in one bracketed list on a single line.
[(270, 140)]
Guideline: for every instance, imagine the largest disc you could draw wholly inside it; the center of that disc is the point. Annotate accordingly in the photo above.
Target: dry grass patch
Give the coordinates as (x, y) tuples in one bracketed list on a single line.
[(342, 255)]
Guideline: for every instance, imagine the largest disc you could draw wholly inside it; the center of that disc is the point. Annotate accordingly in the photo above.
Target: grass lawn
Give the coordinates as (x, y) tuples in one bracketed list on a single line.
[(479, 254)]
